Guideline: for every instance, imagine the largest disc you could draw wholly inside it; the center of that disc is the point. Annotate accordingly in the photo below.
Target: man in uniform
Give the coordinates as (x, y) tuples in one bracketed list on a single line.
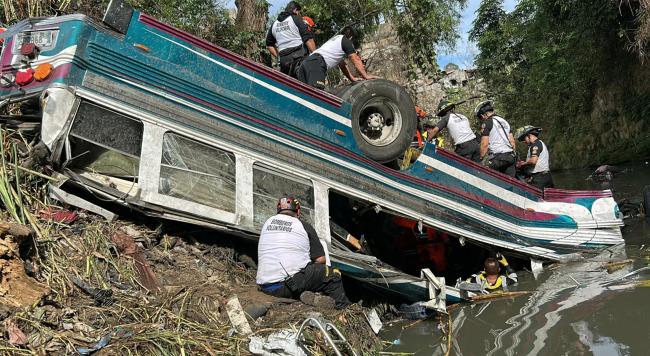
[(497, 141), (537, 157), (490, 278), (331, 54), (290, 39), (291, 259), (459, 130)]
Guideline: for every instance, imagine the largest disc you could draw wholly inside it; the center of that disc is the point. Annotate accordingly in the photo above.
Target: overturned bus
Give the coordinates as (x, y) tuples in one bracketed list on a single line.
[(154, 118)]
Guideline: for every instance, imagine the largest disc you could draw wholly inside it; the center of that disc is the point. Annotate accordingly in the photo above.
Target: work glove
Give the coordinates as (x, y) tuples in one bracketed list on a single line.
[(502, 259)]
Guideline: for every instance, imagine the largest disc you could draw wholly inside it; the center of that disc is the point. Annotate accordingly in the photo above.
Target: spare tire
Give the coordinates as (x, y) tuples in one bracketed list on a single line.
[(383, 118)]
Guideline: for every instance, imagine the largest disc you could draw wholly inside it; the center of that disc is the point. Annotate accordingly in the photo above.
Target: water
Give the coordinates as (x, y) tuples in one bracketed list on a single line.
[(572, 310)]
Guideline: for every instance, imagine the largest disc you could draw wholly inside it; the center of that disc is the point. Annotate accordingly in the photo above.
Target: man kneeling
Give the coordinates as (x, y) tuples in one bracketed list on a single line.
[(291, 259)]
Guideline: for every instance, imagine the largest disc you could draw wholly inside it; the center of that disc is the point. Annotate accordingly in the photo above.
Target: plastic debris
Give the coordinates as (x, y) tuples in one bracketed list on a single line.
[(536, 267), (102, 297), (126, 245), (281, 343), (374, 321), (60, 216), (414, 311), (237, 316)]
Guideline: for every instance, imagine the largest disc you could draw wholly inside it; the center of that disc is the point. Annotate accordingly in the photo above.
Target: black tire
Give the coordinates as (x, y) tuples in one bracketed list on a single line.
[(383, 118)]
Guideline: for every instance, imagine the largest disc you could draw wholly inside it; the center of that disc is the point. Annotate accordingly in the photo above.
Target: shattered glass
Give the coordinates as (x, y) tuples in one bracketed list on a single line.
[(269, 186), (105, 142), (108, 128), (197, 172)]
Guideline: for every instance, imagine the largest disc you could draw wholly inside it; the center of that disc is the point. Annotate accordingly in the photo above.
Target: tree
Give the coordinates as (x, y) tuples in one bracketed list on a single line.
[(252, 16)]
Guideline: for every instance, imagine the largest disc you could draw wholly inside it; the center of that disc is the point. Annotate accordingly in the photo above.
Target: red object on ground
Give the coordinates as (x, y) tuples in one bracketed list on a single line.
[(25, 77), (60, 216)]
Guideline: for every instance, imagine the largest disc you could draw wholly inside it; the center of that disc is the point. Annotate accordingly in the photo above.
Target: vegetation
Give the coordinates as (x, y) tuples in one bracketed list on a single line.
[(422, 25), (565, 66)]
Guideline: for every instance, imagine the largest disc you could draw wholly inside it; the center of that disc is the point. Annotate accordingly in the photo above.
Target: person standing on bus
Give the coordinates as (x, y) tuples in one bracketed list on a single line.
[(290, 39), (291, 259)]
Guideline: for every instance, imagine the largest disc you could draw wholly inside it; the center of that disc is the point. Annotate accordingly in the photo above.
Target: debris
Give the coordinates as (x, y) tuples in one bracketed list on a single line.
[(256, 310), (103, 342), (15, 335), (499, 295), (237, 316), (60, 216), (615, 266), (414, 311), (318, 300), (374, 321), (17, 289), (281, 343), (126, 245), (102, 297), (536, 267), (70, 199)]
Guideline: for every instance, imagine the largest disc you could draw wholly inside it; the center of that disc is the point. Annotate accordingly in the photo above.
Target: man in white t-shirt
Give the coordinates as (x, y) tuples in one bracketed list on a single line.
[(290, 39), (497, 141), (332, 53), (291, 258), (536, 159), (459, 129)]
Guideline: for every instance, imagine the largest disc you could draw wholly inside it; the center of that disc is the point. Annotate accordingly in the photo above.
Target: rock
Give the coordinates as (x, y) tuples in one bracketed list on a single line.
[(256, 310), (15, 335)]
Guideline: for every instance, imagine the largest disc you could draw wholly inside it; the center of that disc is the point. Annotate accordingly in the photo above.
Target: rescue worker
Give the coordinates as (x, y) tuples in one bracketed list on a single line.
[(459, 129), (490, 278), (290, 39), (291, 258), (331, 54), (537, 157), (497, 141)]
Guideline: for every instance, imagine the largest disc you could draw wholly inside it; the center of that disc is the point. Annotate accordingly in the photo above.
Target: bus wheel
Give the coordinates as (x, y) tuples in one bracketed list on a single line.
[(383, 118)]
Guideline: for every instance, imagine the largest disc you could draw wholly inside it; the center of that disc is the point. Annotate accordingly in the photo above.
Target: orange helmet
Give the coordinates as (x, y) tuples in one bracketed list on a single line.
[(420, 113), (308, 20)]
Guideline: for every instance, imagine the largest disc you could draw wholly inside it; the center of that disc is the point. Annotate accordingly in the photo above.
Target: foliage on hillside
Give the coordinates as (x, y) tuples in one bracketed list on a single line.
[(207, 19), (564, 65), (422, 25)]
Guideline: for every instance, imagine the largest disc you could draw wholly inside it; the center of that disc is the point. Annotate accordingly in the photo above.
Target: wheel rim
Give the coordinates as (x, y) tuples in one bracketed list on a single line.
[(380, 122)]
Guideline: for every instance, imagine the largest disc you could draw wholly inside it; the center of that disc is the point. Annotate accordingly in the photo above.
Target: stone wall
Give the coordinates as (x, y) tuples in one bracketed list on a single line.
[(387, 58)]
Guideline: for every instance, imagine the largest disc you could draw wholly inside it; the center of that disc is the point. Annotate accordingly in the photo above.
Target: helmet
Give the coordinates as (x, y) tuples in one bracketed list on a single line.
[(289, 203), (522, 132), (444, 107), (429, 121), (308, 20), (420, 113), (483, 107)]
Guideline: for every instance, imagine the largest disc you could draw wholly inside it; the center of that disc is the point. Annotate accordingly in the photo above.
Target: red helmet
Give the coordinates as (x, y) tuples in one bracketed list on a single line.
[(289, 203), (308, 20)]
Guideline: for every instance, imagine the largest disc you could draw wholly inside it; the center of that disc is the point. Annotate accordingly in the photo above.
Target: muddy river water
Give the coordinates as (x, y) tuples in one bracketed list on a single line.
[(575, 308)]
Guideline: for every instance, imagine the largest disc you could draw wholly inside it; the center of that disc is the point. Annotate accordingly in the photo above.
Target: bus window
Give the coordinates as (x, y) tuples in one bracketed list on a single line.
[(105, 142), (269, 185), (196, 172)]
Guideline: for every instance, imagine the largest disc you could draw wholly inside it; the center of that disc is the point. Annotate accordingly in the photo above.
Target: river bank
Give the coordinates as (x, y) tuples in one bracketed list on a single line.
[(150, 293)]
